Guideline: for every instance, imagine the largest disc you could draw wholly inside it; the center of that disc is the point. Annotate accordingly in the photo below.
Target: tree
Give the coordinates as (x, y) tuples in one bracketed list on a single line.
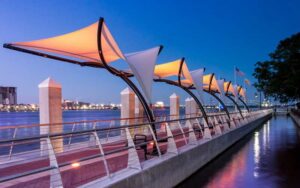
[(279, 77)]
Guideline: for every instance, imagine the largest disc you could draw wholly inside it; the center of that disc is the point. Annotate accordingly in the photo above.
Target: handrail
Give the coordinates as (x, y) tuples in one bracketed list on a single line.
[(93, 121), (92, 130)]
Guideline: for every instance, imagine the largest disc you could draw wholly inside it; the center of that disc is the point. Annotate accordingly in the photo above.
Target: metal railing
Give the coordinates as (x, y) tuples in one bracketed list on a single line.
[(76, 153)]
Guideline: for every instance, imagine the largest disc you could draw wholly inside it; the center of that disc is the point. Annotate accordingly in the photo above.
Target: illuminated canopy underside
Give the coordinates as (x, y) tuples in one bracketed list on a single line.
[(172, 69), (81, 44), (229, 89), (241, 91), (210, 83)]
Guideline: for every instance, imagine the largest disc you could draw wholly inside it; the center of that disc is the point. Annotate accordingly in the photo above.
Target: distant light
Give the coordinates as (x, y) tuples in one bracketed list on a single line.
[(151, 143), (75, 165)]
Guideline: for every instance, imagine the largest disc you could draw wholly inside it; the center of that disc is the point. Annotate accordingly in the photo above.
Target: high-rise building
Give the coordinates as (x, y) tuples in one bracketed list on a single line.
[(8, 95)]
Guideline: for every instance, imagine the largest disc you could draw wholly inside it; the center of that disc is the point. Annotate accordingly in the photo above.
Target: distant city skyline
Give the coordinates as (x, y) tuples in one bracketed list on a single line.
[(217, 35)]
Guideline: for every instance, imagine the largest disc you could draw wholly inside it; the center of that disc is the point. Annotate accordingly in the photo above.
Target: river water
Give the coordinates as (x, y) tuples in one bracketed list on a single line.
[(28, 118), (268, 157)]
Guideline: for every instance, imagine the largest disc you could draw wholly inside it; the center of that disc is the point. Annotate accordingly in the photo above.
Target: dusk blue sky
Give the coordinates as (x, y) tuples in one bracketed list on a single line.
[(217, 35)]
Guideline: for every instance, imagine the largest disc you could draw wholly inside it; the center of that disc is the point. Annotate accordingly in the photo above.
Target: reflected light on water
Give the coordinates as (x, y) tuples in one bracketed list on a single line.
[(256, 150), (269, 158), (232, 172)]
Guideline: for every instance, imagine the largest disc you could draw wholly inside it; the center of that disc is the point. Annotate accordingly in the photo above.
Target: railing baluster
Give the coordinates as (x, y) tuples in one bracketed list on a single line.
[(12, 143), (70, 138), (171, 148), (155, 141), (98, 143), (112, 123), (133, 158), (55, 176), (182, 132)]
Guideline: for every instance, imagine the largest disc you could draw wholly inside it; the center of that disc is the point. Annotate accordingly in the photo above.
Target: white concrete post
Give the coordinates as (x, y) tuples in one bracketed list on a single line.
[(128, 106), (174, 106), (51, 111), (187, 107), (194, 108)]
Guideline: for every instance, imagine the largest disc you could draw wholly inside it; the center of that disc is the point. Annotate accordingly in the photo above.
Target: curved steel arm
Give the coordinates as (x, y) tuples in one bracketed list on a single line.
[(244, 103), (220, 101), (197, 101), (187, 91), (124, 77), (236, 104)]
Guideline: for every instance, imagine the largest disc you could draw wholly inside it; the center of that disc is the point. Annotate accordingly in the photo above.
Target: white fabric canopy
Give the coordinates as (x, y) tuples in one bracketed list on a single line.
[(142, 65), (221, 86), (197, 76), (242, 92), (235, 91)]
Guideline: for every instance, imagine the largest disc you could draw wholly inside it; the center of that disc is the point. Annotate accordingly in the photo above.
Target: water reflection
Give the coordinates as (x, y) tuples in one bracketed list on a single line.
[(256, 150), (269, 157)]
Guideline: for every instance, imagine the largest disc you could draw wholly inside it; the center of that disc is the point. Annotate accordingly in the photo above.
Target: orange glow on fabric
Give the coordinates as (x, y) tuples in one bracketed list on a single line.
[(81, 44)]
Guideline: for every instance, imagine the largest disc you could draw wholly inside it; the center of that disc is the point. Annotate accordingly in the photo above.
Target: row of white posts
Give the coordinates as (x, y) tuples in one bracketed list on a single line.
[(50, 98)]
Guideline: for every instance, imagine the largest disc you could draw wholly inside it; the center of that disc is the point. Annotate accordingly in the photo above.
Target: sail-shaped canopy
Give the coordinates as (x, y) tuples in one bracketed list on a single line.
[(241, 91), (229, 88), (142, 65), (210, 83), (83, 44), (174, 68), (197, 76), (221, 86), (94, 46)]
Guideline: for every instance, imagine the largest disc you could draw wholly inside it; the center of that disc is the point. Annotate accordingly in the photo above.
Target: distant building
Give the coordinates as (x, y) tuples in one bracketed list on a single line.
[(159, 104), (8, 95)]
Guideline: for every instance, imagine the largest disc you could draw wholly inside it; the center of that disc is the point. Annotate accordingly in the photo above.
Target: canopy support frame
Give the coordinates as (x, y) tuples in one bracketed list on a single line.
[(180, 70), (236, 104), (170, 82), (220, 101), (244, 103), (124, 77)]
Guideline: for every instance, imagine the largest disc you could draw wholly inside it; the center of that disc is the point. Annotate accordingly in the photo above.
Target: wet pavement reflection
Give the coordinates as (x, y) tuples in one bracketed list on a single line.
[(268, 157)]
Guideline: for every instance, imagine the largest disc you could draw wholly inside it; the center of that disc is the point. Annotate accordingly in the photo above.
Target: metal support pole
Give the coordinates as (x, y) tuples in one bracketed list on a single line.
[(246, 106), (236, 104), (220, 101), (155, 141), (197, 101), (70, 139)]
